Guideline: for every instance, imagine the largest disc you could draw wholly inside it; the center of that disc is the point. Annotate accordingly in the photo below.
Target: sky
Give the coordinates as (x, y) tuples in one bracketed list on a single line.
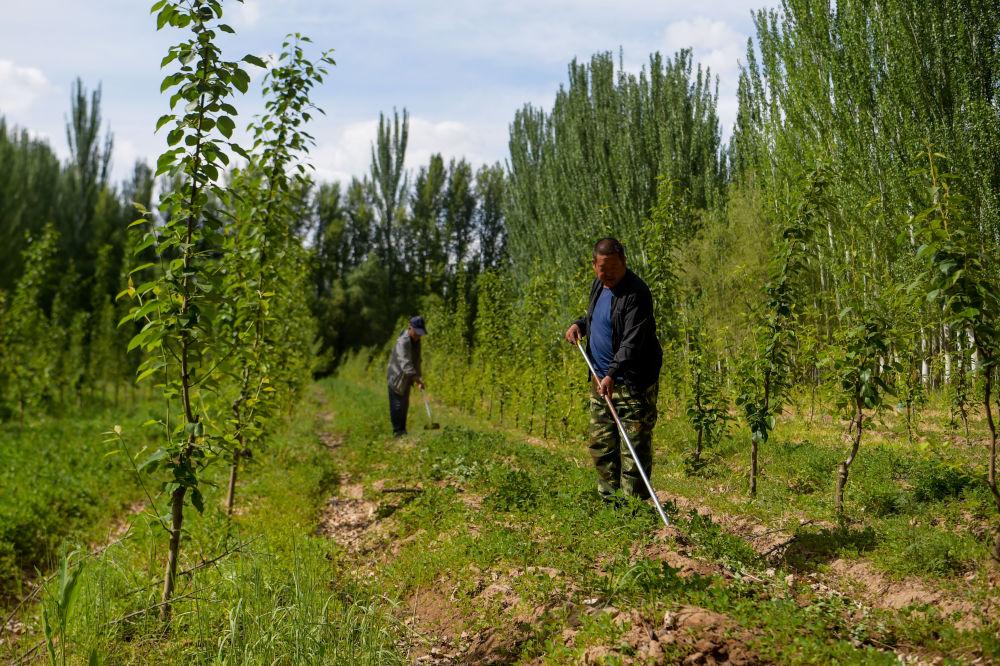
[(461, 69)]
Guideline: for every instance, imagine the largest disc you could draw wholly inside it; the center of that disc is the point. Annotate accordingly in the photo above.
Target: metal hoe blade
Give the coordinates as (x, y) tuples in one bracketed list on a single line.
[(628, 442)]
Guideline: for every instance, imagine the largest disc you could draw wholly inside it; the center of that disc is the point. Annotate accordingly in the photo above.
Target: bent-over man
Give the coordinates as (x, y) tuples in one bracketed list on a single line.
[(403, 372), (622, 345)]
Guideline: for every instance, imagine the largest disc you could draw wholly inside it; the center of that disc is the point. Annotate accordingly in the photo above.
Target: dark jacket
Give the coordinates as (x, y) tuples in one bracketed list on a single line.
[(638, 355), (404, 364)]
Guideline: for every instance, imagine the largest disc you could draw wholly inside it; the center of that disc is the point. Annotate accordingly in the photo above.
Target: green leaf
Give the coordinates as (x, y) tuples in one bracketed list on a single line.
[(226, 126), (197, 501), (236, 148), (153, 460), (141, 267), (255, 60), (145, 374), (164, 119), (47, 629), (241, 80), (69, 587), (175, 135)]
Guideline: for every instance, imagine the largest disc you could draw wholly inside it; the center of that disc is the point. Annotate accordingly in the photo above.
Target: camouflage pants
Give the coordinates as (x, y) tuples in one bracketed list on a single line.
[(615, 467)]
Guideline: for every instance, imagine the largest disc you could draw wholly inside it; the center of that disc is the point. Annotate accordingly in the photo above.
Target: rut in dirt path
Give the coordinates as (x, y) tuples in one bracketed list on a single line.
[(856, 580)]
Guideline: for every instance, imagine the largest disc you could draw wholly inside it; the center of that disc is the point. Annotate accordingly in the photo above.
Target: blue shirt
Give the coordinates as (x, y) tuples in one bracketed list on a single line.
[(601, 352)]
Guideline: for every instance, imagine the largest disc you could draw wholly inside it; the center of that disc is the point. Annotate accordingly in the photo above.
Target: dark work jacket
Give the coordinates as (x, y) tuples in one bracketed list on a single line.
[(404, 364), (637, 351)]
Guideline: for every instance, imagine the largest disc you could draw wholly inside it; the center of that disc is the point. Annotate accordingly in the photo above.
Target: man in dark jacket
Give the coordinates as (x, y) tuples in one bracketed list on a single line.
[(622, 345), (403, 372)]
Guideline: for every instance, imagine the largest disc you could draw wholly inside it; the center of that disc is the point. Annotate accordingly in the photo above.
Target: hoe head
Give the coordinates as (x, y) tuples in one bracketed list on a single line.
[(433, 425)]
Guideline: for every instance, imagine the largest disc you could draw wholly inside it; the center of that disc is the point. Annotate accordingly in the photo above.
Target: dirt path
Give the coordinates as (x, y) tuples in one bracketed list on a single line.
[(445, 619)]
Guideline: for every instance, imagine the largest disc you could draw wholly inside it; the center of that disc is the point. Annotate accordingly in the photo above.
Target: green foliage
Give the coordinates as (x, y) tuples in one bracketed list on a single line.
[(589, 167), (28, 344), (766, 372), (446, 226), (861, 366), (959, 279), (934, 479), (515, 491), (56, 608), (59, 484), (176, 309), (269, 335), (707, 405), (934, 552)]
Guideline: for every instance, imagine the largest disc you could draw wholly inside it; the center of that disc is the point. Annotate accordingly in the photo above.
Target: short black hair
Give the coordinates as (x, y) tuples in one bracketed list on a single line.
[(608, 246)]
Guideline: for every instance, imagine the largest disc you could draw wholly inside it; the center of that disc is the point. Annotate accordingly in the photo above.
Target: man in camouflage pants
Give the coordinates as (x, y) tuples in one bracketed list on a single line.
[(622, 345)]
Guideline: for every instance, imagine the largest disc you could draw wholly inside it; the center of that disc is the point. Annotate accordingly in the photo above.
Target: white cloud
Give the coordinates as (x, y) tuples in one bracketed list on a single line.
[(347, 151), (448, 137), (39, 136), (248, 13), (344, 153), (21, 87)]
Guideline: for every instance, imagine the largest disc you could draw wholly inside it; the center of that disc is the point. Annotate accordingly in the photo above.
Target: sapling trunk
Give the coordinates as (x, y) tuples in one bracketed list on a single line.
[(845, 466), (700, 411), (176, 523), (992, 476), (754, 443), (909, 420), (231, 494)]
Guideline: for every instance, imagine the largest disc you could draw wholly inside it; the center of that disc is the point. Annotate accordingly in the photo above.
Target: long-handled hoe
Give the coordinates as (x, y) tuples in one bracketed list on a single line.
[(431, 424), (628, 442)]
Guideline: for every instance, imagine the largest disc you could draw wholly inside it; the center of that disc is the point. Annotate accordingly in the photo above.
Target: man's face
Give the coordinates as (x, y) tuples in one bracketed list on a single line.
[(609, 269)]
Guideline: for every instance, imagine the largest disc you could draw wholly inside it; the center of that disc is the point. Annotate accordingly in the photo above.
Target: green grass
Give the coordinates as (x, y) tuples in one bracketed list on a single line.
[(537, 509), (471, 509), (57, 482), (912, 510), (281, 595)]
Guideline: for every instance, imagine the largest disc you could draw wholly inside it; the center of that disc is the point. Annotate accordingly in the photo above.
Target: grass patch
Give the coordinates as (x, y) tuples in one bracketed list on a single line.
[(59, 484), (281, 595)]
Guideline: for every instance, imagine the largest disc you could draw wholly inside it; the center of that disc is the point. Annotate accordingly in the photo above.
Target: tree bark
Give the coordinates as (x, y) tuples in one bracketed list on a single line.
[(991, 479), (176, 522), (845, 467), (231, 495)]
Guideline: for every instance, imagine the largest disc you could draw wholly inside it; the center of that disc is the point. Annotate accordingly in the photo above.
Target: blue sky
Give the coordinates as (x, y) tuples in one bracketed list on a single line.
[(461, 69)]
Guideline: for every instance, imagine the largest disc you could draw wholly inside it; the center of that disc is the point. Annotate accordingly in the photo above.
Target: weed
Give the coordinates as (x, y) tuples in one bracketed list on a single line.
[(882, 502), (931, 551), (715, 543), (935, 479), (515, 491)]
